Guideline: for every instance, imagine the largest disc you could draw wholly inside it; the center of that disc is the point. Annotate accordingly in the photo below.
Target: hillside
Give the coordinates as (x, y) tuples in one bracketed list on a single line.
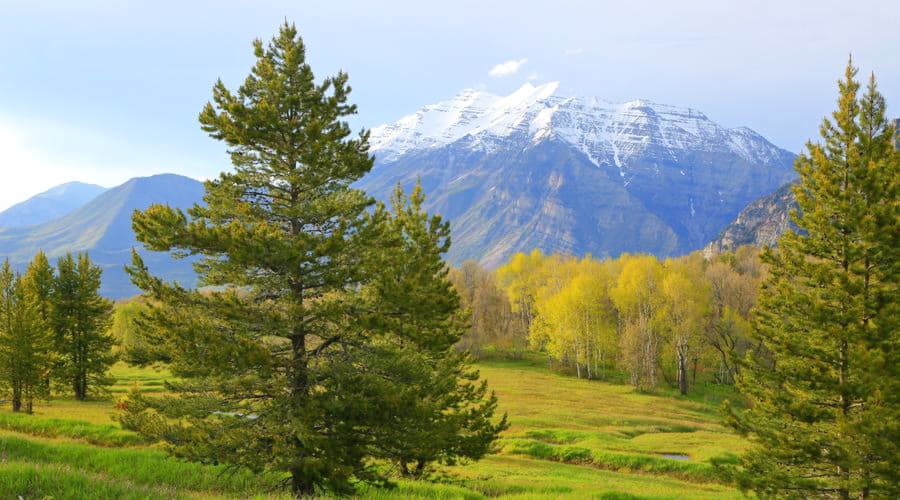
[(765, 219), (49, 205), (102, 228), (760, 224), (569, 438), (540, 168)]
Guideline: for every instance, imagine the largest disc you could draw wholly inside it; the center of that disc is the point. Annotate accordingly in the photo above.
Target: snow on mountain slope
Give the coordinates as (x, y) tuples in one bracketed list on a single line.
[(540, 168), (607, 133)]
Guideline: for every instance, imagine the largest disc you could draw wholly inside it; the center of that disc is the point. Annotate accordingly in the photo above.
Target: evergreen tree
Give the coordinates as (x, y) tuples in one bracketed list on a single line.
[(25, 341), (289, 244), (441, 412), (825, 418), (40, 278), (80, 321)]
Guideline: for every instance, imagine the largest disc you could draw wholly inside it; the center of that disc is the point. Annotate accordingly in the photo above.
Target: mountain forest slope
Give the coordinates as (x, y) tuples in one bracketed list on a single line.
[(102, 228), (49, 205)]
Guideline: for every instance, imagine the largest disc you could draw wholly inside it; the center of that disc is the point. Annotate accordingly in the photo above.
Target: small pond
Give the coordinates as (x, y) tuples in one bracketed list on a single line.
[(675, 456)]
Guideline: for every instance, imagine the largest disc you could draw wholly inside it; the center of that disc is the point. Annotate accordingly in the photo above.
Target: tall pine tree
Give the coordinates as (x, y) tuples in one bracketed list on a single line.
[(290, 242), (40, 278), (824, 416), (80, 320), (25, 341)]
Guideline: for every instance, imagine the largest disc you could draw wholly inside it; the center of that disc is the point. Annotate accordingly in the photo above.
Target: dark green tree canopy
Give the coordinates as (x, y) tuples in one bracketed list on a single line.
[(80, 320), (825, 415), (277, 359)]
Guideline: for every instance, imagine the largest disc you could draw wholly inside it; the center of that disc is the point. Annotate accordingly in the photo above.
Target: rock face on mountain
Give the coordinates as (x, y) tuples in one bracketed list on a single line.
[(540, 168), (102, 228), (761, 223), (49, 205)]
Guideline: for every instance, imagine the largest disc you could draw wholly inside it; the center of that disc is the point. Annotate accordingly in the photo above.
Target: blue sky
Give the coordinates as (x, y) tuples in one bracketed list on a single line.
[(101, 91)]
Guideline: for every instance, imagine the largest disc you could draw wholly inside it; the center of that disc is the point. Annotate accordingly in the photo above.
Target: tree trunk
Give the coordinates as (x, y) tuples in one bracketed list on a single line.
[(301, 484), (301, 487), (682, 373), (80, 387), (420, 469), (843, 472), (17, 398)]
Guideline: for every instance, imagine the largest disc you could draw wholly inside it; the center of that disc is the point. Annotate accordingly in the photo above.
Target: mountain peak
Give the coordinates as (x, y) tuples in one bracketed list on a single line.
[(50, 204), (607, 133), (102, 227), (529, 91), (70, 188), (159, 179)]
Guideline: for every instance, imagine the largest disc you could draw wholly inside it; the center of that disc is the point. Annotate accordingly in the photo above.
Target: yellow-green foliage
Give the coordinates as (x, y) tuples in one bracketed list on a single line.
[(577, 322), (124, 329), (656, 320)]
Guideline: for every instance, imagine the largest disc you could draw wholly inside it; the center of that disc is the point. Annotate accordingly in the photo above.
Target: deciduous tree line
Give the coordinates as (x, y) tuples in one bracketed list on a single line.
[(666, 320), (53, 330)]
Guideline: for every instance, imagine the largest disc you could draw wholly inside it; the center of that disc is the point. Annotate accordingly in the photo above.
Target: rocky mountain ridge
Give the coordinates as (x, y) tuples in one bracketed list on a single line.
[(760, 224), (540, 168)]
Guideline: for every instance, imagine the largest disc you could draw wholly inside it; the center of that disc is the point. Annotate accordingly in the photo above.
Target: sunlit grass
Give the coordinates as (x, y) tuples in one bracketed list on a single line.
[(146, 467), (30, 480), (97, 434), (569, 438), (101, 409)]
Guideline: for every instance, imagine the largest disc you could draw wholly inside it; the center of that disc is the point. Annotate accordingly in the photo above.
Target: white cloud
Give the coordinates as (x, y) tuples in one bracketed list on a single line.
[(533, 76), (573, 52), (507, 68), (24, 172)]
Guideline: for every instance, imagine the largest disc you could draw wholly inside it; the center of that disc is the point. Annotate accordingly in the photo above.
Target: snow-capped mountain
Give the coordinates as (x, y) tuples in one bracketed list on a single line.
[(683, 173), (609, 134)]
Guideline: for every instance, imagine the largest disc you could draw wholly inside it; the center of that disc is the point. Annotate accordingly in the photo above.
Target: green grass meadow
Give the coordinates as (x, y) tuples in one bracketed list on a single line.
[(569, 438)]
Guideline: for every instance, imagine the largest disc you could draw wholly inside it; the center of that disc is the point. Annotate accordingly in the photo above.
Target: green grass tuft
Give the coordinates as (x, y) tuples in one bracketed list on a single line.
[(25, 480), (139, 466), (98, 434)]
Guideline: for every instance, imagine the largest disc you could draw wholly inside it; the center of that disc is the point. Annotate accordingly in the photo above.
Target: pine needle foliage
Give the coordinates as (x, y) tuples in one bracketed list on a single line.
[(825, 415), (322, 307)]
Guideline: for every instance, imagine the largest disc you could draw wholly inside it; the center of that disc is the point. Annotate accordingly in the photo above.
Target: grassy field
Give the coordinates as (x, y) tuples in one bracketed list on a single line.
[(569, 438)]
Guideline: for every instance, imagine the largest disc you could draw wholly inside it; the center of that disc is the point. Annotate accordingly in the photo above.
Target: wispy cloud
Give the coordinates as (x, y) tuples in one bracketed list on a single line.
[(507, 68), (573, 52), (28, 173), (533, 76)]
